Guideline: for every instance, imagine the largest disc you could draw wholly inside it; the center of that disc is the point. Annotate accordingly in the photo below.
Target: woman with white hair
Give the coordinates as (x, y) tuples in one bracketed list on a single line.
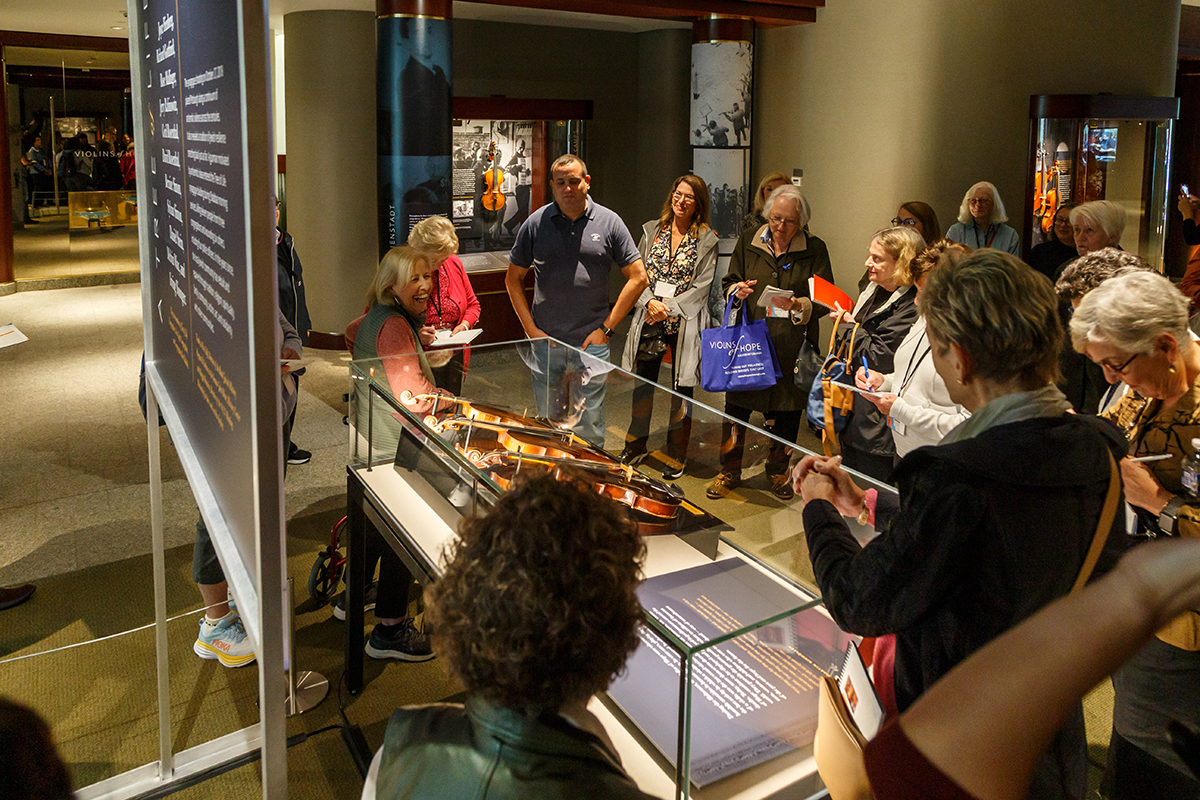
[(1097, 225), (981, 219), (452, 303), (782, 255), (1135, 326)]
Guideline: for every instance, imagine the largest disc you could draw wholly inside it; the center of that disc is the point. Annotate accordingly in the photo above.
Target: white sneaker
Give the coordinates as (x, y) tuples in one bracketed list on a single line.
[(226, 641)]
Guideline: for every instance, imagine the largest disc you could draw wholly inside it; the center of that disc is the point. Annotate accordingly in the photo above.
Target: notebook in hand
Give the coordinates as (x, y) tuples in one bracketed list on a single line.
[(824, 293)]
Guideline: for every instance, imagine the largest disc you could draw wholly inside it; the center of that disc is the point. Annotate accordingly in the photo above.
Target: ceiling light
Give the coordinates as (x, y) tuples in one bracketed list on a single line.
[(118, 27)]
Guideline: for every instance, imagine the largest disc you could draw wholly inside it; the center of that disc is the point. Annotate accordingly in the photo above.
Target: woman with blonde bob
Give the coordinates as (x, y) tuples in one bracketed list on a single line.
[(452, 303), (1135, 326), (394, 331), (770, 182), (1097, 225), (981, 219), (881, 318)]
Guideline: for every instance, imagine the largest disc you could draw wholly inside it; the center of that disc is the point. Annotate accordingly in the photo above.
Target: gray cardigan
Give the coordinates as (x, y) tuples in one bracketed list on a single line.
[(690, 305)]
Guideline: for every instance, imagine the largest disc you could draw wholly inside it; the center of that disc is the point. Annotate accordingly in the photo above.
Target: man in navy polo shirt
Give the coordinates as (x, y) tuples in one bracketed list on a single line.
[(571, 245)]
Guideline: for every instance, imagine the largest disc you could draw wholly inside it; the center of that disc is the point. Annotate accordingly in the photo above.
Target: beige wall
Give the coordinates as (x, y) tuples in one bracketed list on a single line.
[(880, 103), (331, 164), (635, 145), (638, 83)]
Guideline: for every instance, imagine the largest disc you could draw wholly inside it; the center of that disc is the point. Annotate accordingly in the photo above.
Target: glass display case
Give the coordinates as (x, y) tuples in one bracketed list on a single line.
[(724, 686), (1101, 147)]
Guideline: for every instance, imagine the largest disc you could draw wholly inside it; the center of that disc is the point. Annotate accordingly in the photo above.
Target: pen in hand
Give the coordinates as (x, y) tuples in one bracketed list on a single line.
[(1144, 459), (866, 371)]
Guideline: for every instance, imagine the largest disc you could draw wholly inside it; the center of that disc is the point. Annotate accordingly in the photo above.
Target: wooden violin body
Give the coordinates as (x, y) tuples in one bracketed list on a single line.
[(505, 444), (493, 179)]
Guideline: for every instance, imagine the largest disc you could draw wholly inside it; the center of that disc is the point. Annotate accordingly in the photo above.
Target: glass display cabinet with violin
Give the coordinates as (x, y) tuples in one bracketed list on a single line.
[(728, 580), (500, 175), (1100, 147)]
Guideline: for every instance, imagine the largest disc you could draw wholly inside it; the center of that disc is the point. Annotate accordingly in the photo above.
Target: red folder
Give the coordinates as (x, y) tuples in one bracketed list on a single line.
[(824, 293)]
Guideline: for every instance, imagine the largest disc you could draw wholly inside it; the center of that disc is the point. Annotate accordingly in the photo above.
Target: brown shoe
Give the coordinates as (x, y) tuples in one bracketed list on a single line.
[(781, 486), (722, 485), (15, 595)]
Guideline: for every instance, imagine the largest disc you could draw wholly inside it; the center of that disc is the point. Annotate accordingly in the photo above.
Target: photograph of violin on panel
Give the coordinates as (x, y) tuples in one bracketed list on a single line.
[(494, 174)]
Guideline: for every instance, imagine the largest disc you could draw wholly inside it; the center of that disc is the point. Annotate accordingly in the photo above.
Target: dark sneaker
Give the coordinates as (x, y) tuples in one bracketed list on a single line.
[(298, 456), (402, 641), (781, 486), (634, 453), (15, 595), (674, 472), (722, 485), (339, 601)]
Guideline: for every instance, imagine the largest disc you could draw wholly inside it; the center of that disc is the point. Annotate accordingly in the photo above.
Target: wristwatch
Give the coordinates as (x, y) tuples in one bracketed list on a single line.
[(1169, 516), (607, 331)]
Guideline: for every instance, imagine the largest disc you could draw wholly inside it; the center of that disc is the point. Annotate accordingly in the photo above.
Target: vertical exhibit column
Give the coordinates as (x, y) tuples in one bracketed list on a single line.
[(7, 199), (722, 90), (413, 99)]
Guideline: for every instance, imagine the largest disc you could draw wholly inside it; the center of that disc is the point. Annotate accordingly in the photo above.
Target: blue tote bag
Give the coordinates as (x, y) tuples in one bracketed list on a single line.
[(737, 358)]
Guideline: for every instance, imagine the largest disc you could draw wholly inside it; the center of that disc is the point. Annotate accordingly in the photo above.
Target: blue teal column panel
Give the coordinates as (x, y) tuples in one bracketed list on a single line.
[(413, 100)]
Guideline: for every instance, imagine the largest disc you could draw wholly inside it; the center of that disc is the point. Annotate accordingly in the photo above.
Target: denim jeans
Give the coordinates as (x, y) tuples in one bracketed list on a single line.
[(569, 387)]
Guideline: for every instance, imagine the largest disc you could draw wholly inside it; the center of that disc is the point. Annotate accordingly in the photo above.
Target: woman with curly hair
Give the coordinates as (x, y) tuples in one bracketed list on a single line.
[(537, 611)]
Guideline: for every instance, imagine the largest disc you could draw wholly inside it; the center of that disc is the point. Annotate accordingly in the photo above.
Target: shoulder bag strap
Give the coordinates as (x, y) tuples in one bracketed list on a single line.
[(1106, 522)]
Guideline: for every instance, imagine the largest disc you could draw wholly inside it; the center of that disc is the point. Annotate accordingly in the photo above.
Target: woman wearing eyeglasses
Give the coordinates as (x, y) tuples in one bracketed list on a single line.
[(920, 217), (981, 219), (1135, 326), (679, 250), (915, 215), (782, 255), (1052, 255)]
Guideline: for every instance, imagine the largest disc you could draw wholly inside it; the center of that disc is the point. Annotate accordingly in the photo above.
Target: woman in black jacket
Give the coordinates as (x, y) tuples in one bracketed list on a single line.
[(885, 311), (993, 523)]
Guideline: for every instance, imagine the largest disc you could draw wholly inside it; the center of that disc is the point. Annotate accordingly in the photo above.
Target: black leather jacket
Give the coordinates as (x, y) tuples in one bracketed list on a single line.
[(489, 753)]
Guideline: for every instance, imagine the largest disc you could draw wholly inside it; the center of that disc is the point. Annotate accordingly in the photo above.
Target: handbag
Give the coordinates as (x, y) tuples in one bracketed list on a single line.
[(807, 368), (737, 358), (830, 404), (838, 746), (652, 343)]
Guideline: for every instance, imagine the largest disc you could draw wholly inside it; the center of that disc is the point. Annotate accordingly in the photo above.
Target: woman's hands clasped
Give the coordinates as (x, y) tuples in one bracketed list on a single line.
[(822, 478)]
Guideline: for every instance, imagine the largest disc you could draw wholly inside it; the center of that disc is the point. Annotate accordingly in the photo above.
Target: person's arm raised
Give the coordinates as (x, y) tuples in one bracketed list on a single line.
[(989, 719)]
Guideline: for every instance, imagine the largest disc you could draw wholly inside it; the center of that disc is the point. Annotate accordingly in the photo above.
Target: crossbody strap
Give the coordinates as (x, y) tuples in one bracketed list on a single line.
[(1106, 522)]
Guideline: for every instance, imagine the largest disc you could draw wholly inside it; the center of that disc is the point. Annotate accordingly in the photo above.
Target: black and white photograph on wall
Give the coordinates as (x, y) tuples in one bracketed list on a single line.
[(493, 178), (721, 93), (725, 172)]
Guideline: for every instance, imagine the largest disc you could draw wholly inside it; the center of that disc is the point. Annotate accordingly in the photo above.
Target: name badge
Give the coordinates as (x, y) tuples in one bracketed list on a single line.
[(664, 290), (776, 312), (896, 425)]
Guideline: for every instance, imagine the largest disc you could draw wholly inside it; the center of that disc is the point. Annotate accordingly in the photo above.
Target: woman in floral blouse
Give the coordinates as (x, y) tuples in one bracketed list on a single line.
[(680, 252)]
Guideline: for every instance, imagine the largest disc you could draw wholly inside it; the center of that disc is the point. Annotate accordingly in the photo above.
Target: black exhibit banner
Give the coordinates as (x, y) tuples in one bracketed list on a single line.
[(754, 697), (193, 141)]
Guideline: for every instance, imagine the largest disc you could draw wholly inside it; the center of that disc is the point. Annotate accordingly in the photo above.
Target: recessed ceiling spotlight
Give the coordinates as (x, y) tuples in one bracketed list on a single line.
[(118, 27)]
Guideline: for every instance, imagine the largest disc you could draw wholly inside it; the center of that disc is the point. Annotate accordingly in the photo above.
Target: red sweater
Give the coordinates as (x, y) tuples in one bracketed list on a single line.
[(454, 300)]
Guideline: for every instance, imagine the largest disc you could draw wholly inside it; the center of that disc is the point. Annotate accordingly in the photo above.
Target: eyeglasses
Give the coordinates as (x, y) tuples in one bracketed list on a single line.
[(980, 201), (1118, 370), (683, 198), (782, 222), (907, 223)]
